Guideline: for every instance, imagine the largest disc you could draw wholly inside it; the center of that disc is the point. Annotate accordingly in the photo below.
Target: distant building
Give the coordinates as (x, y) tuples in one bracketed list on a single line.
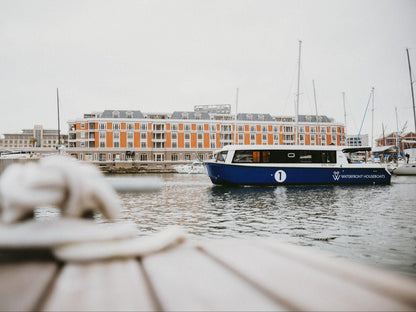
[(152, 138), (355, 140), (405, 141), (33, 138)]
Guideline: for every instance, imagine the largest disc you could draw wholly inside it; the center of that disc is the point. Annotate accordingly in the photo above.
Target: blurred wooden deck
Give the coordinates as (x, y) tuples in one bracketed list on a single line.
[(237, 275)]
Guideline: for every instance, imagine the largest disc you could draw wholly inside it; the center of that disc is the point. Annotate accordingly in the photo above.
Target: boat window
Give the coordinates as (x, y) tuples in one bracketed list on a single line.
[(256, 157), (284, 156), (265, 156), (221, 156), (243, 157)]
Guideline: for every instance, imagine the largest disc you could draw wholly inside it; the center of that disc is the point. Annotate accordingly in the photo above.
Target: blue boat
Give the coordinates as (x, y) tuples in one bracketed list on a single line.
[(291, 164)]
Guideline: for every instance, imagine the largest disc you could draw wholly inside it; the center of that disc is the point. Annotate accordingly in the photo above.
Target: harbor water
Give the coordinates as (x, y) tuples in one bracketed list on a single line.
[(371, 224)]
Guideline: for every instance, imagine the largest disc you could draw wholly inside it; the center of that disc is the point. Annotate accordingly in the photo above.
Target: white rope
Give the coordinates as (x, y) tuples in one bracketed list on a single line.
[(76, 188), (72, 186)]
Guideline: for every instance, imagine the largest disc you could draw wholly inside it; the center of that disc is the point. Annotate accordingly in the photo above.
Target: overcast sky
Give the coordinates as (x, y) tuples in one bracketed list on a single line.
[(167, 55)]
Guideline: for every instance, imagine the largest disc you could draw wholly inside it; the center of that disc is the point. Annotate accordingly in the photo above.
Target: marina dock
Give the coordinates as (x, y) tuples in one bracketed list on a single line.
[(211, 275)]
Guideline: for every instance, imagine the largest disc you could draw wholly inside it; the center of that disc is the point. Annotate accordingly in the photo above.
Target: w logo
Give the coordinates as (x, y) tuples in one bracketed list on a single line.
[(336, 175)]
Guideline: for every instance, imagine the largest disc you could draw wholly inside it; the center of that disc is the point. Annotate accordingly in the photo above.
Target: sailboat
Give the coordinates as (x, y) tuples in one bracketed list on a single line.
[(408, 168)]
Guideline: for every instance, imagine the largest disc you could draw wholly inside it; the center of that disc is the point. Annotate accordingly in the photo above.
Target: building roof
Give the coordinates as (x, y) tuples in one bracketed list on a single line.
[(122, 114), (190, 115), (312, 118), (254, 117)]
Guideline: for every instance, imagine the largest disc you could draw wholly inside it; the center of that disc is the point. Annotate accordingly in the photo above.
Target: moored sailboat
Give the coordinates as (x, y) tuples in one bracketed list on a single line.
[(409, 168)]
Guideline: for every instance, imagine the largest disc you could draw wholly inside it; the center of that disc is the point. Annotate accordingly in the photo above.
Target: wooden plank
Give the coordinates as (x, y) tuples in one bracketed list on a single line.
[(104, 286), (184, 279), (296, 283), (398, 287), (23, 284)]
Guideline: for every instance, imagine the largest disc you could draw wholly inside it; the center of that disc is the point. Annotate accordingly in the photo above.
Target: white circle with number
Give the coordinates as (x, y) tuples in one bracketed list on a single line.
[(280, 176)]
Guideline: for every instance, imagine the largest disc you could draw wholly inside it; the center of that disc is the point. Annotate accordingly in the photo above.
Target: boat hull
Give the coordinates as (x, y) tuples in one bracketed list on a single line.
[(227, 174), (407, 169)]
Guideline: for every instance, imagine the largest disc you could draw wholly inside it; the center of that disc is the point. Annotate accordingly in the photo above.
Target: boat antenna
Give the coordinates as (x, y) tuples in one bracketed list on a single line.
[(59, 122), (235, 119), (297, 96), (316, 111), (411, 87)]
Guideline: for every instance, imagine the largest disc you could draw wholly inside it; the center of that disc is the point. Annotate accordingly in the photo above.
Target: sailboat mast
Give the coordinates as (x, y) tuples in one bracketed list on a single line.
[(297, 97), (235, 119), (59, 122), (411, 88), (397, 134), (316, 112), (345, 112), (372, 121)]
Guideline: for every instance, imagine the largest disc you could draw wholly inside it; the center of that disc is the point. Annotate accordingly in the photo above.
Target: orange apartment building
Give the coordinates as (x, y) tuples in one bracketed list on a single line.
[(153, 139)]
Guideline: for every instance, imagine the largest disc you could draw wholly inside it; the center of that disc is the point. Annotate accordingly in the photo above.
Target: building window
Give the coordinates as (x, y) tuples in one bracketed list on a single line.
[(143, 157), (174, 157), (174, 127), (187, 136), (187, 127), (130, 144), (143, 127), (174, 135), (143, 136), (116, 126), (102, 144), (252, 128), (129, 114), (102, 126), (200, 127), (143, 144), (199, 144), (187, 156), (187, 145), (130, 126), (174, 145), (199, 136), (116, 144)]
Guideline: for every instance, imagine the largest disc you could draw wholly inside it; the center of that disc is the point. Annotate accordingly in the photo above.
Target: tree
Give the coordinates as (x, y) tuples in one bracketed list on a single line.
[(33, 141)]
